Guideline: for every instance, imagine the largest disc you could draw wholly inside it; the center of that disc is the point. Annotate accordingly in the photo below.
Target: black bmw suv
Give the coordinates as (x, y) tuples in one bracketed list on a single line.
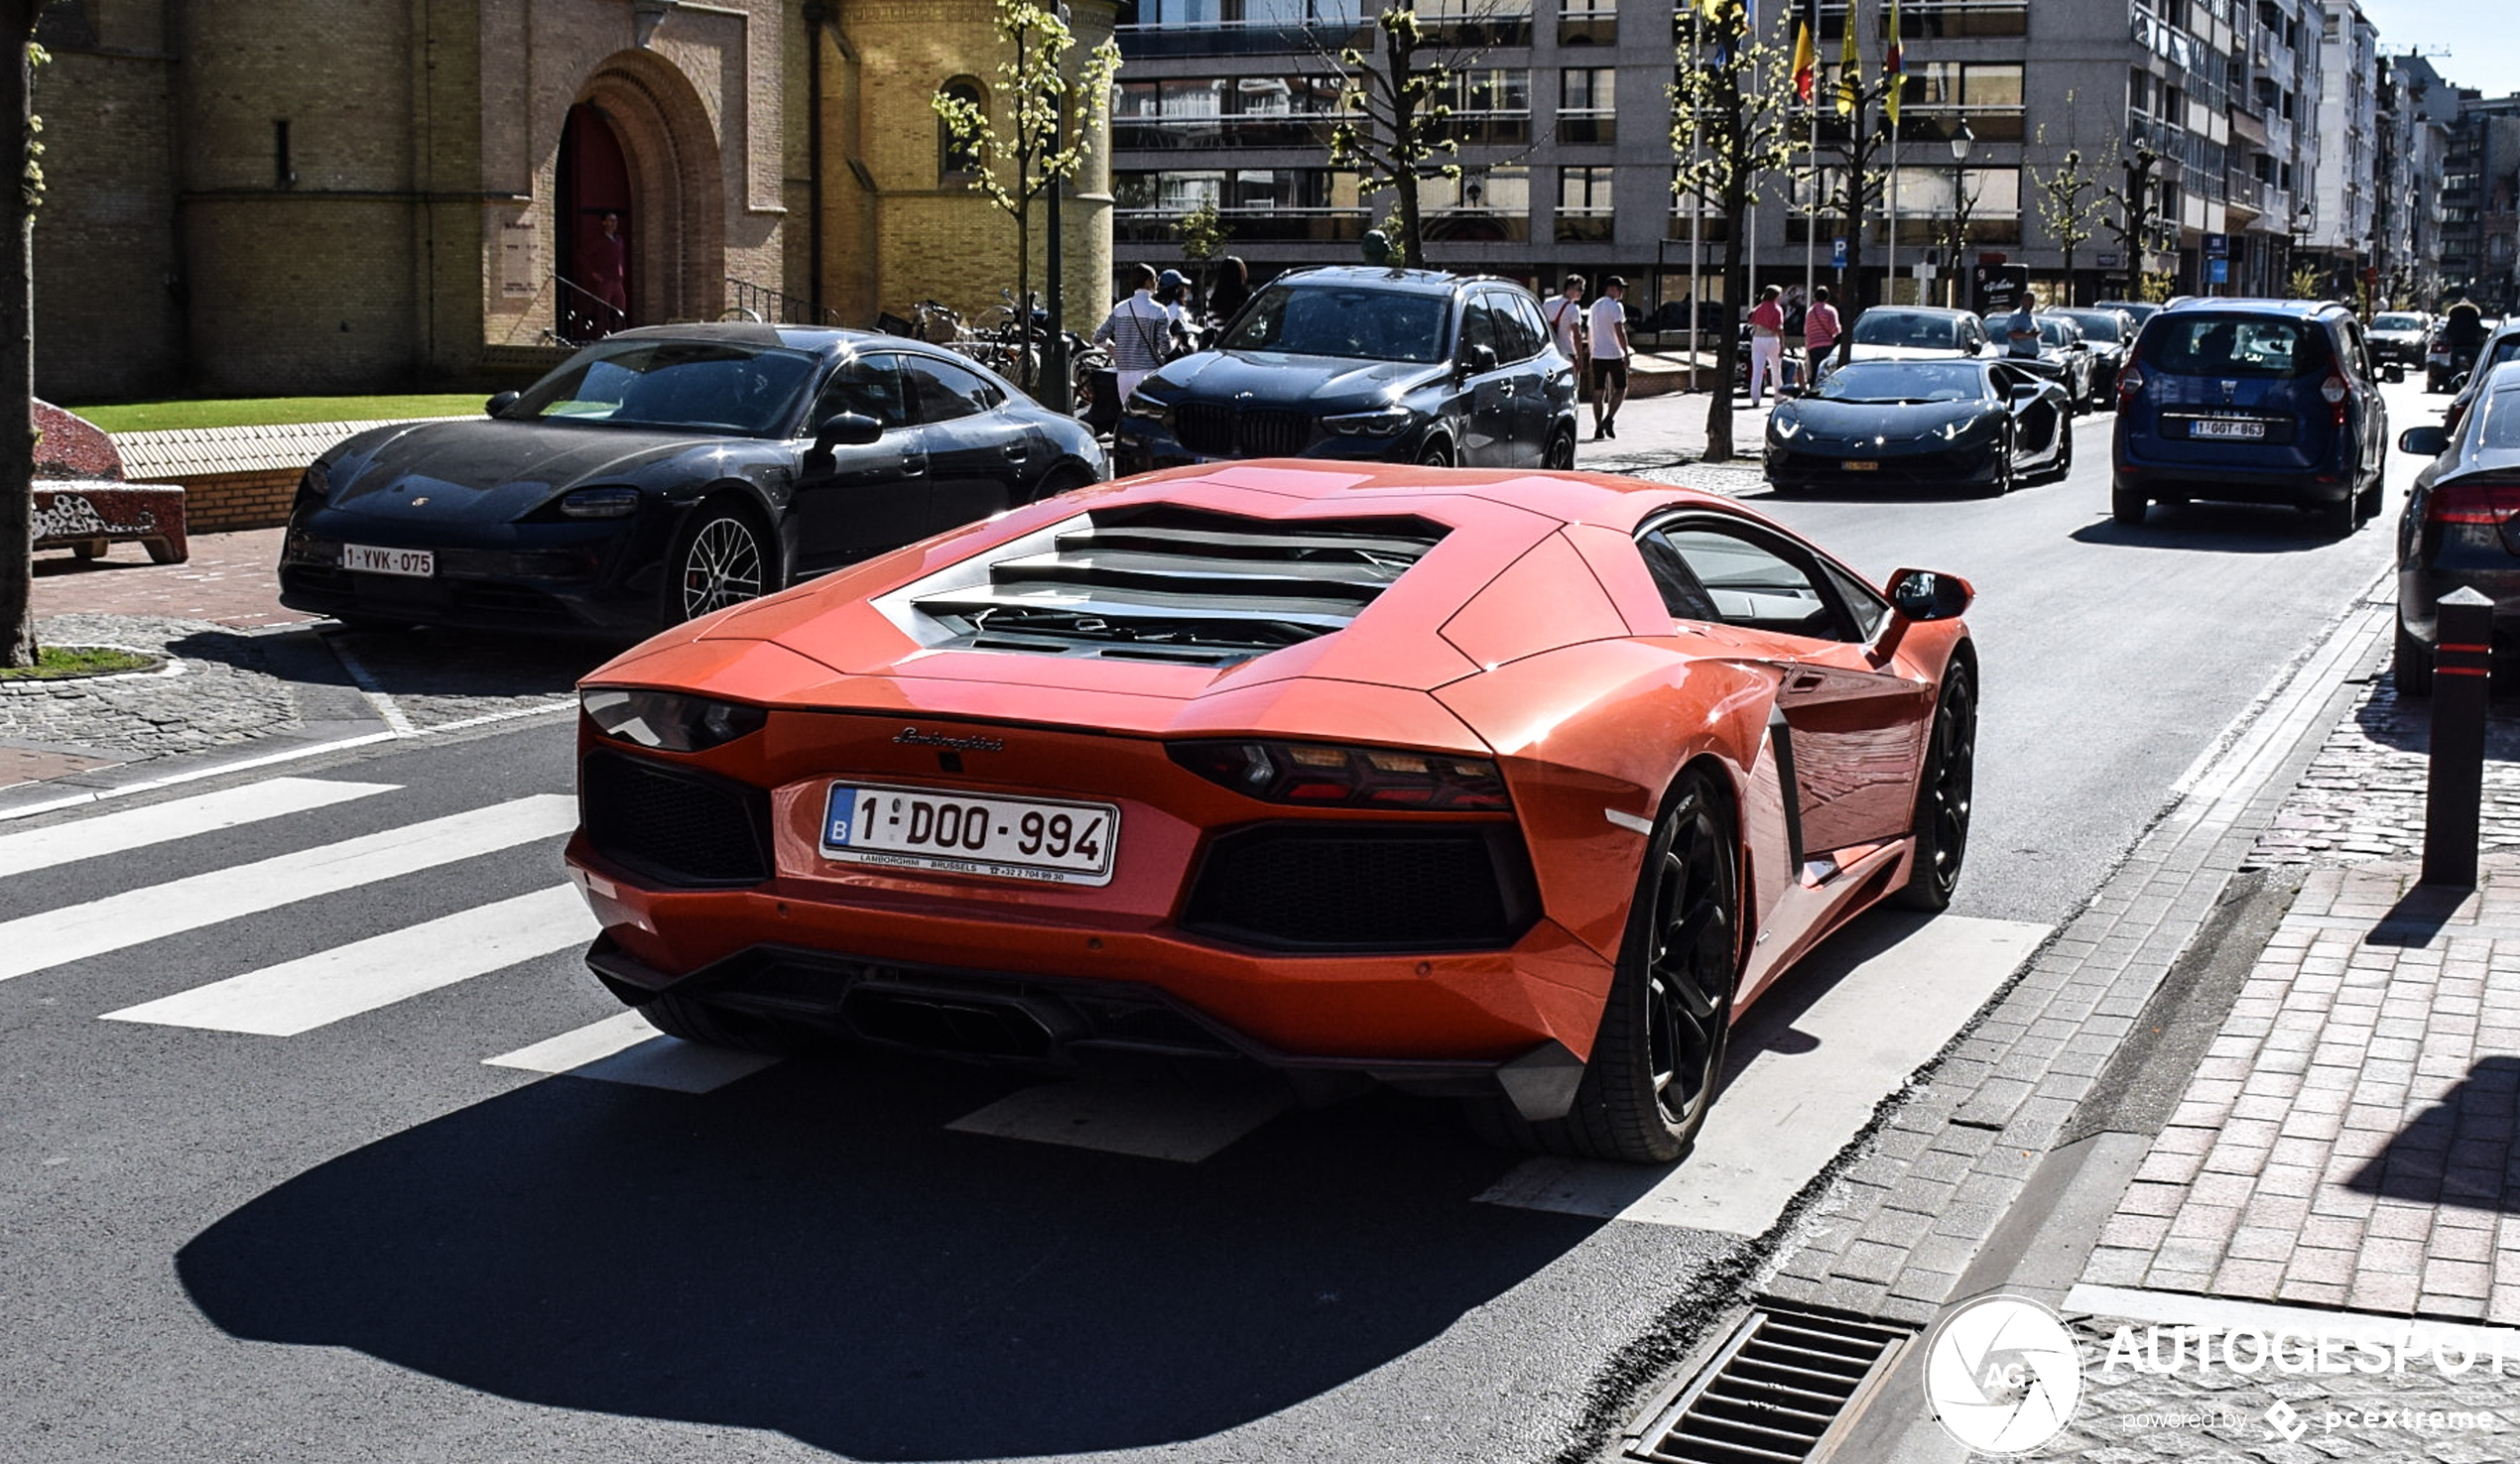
[(1374, 364)]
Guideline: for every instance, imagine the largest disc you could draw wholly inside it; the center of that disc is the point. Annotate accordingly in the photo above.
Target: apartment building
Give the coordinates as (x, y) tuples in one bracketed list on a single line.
[(2262, 120), (2480, 200), (2418, 112)]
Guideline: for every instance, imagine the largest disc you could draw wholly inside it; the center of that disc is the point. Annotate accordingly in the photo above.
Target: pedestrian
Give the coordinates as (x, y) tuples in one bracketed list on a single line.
[(1819, 329), (1605, 336), (1139, 332), (1231, 292), (1767, 344), (1566, 323), (2021, 327), (605, 264)]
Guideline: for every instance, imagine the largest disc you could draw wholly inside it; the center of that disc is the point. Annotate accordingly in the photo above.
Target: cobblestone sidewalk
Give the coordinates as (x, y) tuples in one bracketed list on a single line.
[(217, 689)]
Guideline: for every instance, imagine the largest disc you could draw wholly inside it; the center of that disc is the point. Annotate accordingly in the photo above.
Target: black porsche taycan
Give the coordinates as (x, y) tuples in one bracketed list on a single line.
[(666, 472), (1980, 426)]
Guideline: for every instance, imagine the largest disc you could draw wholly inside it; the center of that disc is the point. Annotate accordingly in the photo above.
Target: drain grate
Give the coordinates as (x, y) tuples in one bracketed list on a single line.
[(1782, 1389)]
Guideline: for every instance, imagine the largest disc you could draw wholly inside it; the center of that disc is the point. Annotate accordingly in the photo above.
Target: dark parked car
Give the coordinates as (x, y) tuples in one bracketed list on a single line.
[(666, 472), (2461, 527), (2251, 401), (1383, 365), (1920, 424), (2137, 311), (2503, 344), (2110, 334), (2064, 357), (2397, 339)]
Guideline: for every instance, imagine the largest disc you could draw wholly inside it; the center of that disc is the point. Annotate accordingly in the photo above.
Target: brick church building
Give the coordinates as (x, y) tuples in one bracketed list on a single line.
[(274, 196)]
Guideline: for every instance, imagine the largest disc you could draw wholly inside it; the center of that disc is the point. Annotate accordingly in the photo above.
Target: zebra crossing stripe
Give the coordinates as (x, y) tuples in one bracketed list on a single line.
[(75, 933), (329, 985), (625, 1048), (157, 823)]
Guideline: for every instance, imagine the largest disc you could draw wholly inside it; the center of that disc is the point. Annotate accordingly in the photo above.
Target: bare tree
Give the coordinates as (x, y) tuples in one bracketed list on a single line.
[(2069, 217), (1732, 125), (17, 335), (1047, 136), (2135, 199), (1851, 189), (1394, 127)]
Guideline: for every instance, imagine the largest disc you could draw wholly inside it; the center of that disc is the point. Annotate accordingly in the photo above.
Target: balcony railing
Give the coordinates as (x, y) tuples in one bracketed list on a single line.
[(1241, 38), (1287, 226), (1176, 134), (1584, 226), (1588, 127)]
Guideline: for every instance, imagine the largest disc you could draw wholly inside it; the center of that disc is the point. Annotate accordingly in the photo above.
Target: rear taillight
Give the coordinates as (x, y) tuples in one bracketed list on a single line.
[(2337, 392), (2473, 501), (2450, 417), (2129, 382), (1325, 777)]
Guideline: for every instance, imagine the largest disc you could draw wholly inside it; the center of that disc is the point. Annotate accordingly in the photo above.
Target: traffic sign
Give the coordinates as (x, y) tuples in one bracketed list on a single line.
[(1837, 254), (2221, 271), (2218, 246), (1923, 269)]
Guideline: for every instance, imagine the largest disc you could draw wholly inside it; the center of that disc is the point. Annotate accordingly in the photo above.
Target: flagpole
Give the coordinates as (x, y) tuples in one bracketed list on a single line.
[(1697, 201), (1810, 198)]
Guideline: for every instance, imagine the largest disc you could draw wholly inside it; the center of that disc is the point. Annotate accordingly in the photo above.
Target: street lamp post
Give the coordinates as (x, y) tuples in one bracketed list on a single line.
[(1961, 141)]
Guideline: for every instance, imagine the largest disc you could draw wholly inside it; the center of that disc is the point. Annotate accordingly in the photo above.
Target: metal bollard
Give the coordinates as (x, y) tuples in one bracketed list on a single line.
[(2454, 789)]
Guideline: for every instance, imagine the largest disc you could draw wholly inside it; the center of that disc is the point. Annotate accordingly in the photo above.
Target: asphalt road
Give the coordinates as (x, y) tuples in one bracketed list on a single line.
[(363, 1241)]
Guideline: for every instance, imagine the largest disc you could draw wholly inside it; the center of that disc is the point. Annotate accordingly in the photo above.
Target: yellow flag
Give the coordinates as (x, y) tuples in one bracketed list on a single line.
[(1849, 68), (1894, 65)]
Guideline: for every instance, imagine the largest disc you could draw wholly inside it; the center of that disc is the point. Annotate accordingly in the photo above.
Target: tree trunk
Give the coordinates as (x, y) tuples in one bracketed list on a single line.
[(1736, 283), (1023, 287), (1405, 137), (17, 349), (1850, 303)]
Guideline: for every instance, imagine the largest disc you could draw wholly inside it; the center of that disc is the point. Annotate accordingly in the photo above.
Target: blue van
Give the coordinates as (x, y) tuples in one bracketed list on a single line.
[(2251, 401)]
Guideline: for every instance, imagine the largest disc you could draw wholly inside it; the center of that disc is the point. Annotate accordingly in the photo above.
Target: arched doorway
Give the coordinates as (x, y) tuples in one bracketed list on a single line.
[(640, 116), (595, 227)]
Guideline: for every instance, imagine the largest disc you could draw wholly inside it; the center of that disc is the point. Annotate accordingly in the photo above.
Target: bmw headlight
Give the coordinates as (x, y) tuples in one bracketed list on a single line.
[(1142, 408), (668, 721), (1381, 423)]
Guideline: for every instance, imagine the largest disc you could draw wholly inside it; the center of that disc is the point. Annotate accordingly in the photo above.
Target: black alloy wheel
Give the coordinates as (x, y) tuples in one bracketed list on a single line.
[(2007, 465), (1560, 455), (1659, 1055), (721, 559), (1437, 453), (1946, 786)]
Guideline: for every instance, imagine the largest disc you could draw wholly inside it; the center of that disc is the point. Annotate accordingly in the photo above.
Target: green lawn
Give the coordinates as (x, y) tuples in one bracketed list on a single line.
[(150, 417), (53, 663)]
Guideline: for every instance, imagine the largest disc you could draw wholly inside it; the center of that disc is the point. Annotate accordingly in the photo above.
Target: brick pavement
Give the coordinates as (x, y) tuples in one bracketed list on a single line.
[(231, 580), (2364, 795), (2349, 1139)]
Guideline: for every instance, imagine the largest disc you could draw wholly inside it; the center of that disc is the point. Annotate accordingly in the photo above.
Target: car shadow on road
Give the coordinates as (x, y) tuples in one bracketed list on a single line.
[(433, 661), (2406, 722), (809, 1251), (2455, 1152), (2217, 527)]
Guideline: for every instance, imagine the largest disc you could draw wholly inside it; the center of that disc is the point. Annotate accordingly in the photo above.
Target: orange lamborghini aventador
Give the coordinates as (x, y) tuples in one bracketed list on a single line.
[(1513, 786)]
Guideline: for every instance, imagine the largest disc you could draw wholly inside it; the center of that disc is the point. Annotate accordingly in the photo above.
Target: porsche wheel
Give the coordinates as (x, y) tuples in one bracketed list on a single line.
[(1658, 1053), (1944, 793), (1561, 450), (723, 558), (682, 1018)]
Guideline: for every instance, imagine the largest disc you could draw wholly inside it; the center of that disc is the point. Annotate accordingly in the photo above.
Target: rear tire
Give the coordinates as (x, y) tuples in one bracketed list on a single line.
[(1438, 454), (2339, 520), (1658, 1053), (2412, 665), (2127, 507), (1945, 789), (682, 1018)]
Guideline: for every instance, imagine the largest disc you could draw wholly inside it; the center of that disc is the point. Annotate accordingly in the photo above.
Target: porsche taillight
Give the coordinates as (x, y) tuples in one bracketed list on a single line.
[(2473, 501), (1324, 776)]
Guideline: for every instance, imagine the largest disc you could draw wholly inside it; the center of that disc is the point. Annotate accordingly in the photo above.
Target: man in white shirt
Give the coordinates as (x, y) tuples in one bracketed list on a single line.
[(1567, 326), (1140, 332), (1607, 332)]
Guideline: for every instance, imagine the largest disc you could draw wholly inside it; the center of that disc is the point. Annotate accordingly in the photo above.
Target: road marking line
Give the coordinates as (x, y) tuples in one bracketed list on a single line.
[(137, 828), (378, 698), (1149, 1119), (331, 985), (627, 1049), (118, 921), (194, 775), (1880, 1013)]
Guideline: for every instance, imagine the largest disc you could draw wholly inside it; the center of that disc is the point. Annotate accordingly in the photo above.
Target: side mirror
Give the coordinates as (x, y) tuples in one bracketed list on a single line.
[(1478, 360), (1923, 594), (2424, 442), (846, 429), (2459, 383), (498, 404)]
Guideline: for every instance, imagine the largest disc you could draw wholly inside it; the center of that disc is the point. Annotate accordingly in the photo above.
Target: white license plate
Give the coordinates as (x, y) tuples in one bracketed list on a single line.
[(417, 564), (2226, 426), (1048, 840)]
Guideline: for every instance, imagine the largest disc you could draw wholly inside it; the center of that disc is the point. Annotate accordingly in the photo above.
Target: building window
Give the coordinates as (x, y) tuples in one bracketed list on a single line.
[(1588, 105), (1483, 205), (957, 159), (1588, 21), (1259, 204), (1583, 203), (1987, 94), (1492, 104), (1199, 113), (1476, 23)]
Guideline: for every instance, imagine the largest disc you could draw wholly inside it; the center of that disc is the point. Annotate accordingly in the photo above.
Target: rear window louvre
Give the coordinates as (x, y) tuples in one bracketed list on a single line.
[(1168, 583)]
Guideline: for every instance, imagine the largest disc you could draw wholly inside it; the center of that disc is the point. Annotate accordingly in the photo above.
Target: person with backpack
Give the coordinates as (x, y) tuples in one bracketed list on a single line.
[(1567, 326), (1139, 332)]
